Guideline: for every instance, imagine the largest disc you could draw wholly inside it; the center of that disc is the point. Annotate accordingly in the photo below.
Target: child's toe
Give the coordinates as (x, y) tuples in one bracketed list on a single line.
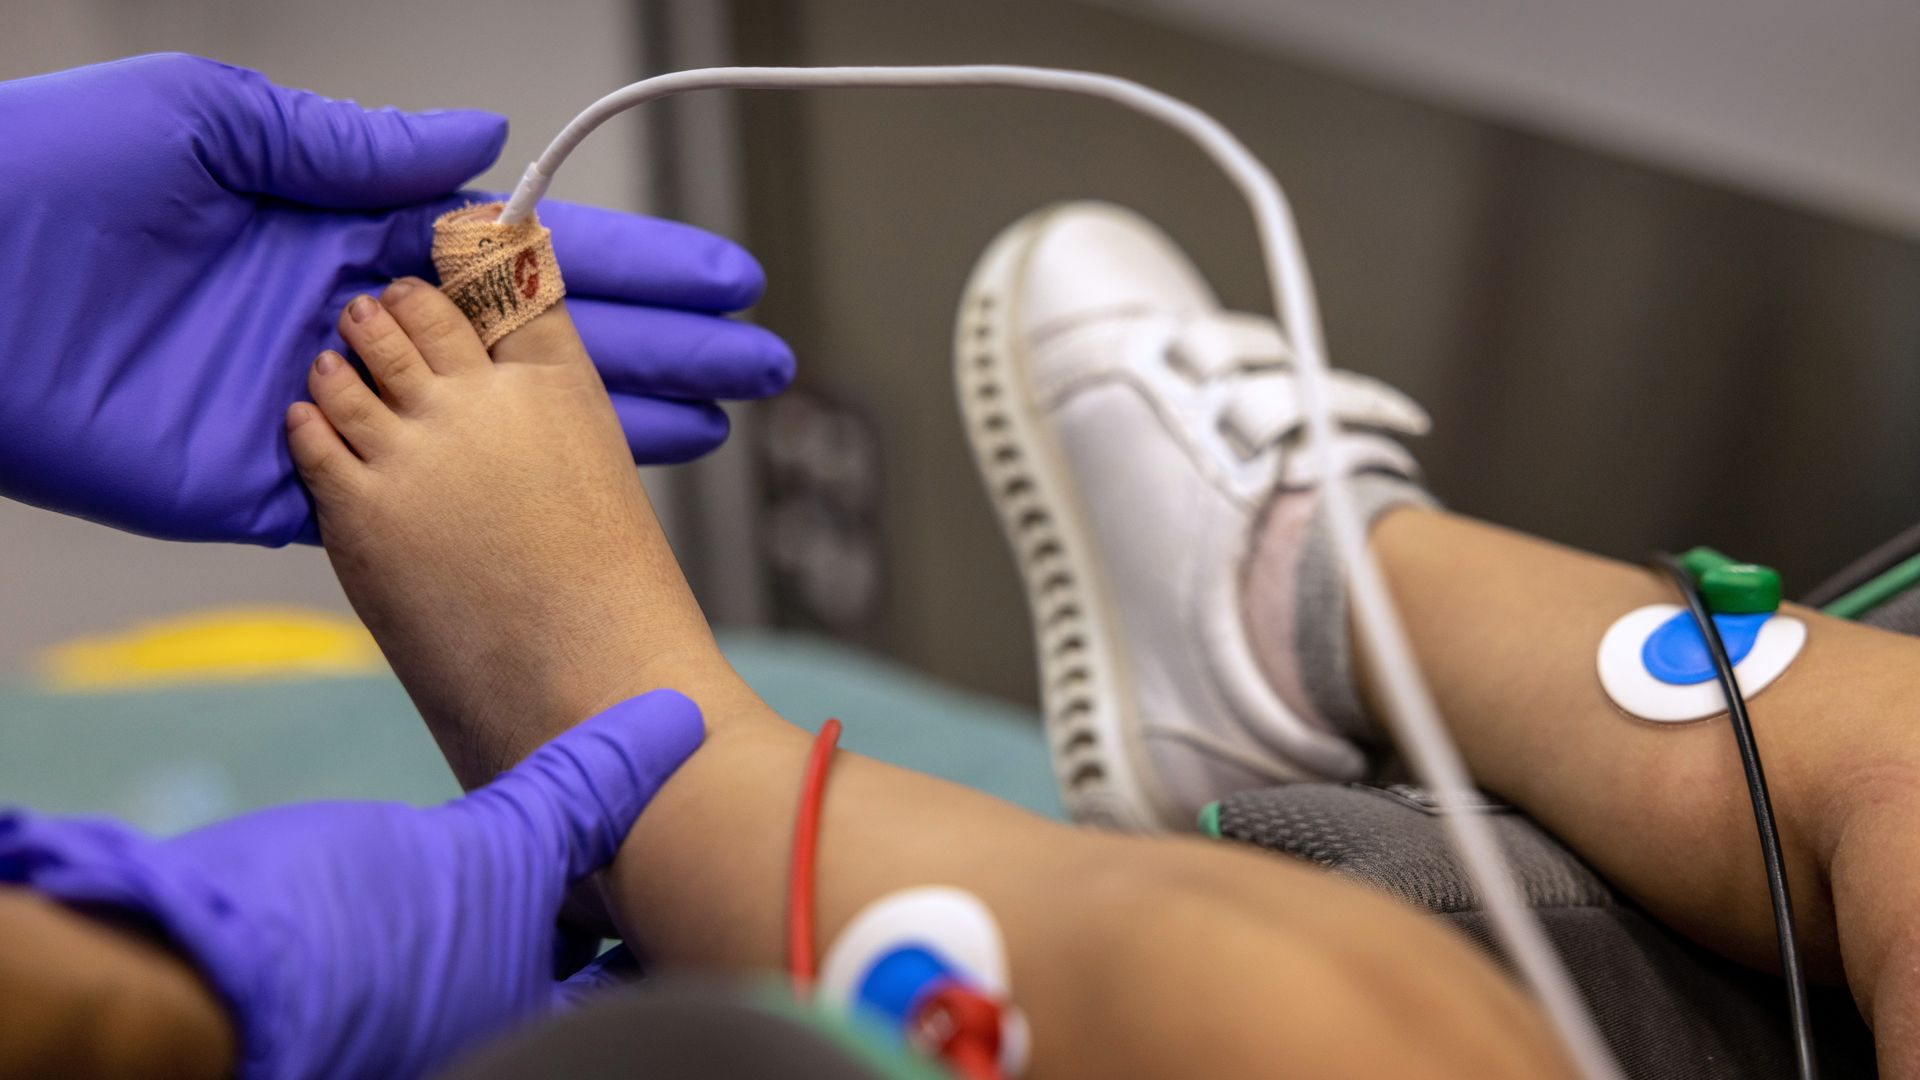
[(372, 332), (325, 463), (350, 407), (549, 339), (437, 328)]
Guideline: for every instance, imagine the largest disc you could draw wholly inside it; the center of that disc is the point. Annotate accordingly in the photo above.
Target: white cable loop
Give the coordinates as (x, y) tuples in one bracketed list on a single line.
[(1412, 712)]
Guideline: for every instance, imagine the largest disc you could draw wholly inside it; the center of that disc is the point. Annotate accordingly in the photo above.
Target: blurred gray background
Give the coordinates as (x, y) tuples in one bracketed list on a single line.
[(1652, 264)]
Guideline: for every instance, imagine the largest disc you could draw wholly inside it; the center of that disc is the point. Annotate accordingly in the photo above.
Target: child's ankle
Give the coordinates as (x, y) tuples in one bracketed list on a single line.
[(698, 670), (1295, 606)]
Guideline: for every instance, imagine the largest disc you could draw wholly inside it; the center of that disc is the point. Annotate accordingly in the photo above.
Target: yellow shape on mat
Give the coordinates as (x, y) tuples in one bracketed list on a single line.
[(221, 645)]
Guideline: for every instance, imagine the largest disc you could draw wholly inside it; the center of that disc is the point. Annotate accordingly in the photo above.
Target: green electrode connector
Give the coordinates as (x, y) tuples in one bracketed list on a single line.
[(1730, 587)]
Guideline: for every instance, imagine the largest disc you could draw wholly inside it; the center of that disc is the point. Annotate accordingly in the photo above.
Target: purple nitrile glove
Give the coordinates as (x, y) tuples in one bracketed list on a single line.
[(178, 237), (375, 939)]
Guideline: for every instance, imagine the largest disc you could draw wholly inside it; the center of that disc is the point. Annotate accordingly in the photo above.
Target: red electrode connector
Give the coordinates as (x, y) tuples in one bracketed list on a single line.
[(961, 1027)]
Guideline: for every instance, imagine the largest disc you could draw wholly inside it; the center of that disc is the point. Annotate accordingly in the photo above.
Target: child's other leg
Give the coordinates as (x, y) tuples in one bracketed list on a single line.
[(1507, 629)]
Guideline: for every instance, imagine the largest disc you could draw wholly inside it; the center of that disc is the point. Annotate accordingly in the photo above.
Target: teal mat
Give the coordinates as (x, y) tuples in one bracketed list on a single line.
[(172, 759)]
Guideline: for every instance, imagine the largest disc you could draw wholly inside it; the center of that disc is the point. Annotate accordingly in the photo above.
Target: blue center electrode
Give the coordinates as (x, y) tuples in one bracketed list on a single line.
[(1677, 655), (899, 979)]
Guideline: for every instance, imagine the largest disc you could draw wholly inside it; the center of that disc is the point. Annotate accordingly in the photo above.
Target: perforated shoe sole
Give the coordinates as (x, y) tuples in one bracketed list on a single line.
[(1091, 719)]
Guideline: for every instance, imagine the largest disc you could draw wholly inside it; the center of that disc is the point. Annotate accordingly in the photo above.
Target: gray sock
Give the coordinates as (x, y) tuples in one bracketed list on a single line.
[(1323, 641)]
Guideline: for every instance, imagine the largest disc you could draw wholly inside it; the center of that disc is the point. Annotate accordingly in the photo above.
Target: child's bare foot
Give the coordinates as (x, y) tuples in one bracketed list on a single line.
[(464, 464)]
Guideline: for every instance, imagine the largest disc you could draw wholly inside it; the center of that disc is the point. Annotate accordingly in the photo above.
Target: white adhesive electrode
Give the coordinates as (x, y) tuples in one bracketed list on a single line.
[(1411, 713), (948, 922), (1624, 675)]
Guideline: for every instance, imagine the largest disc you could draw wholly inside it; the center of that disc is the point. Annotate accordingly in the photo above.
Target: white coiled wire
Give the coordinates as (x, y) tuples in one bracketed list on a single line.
[(1411, 711)]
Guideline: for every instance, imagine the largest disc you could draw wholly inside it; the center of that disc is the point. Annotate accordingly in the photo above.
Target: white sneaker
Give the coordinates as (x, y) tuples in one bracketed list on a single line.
[(1130, 431)]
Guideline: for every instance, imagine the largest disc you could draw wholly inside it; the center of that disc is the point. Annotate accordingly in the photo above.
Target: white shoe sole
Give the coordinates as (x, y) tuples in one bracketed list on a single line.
[(1091, 716)]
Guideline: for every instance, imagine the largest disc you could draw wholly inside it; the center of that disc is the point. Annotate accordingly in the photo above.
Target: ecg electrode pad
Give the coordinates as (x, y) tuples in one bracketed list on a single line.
[(1654, 662)]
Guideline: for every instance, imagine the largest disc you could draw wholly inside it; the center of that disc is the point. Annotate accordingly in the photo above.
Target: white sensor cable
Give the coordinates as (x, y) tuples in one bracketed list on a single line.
[(1412, 713)]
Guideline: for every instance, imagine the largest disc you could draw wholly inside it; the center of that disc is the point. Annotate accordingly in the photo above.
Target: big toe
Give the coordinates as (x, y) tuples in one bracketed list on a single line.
[(549, 339)]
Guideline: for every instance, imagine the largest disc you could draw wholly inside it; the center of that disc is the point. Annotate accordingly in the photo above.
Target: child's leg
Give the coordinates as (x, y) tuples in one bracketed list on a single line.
[(88, 998), (487, 525), (1137, 956), (1507, 626)]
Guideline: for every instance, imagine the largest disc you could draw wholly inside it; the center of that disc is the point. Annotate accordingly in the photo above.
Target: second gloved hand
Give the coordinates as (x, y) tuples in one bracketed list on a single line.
[(373, 939), (178, 235)]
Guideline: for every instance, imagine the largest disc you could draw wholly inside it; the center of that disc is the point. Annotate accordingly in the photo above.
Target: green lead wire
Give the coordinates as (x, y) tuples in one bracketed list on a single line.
[(1897, 579)]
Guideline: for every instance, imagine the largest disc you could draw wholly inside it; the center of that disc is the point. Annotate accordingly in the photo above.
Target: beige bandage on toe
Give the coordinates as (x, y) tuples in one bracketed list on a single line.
[(501, 276)]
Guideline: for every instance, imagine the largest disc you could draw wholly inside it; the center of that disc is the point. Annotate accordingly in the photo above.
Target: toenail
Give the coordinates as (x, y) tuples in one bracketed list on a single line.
[(361, 308), (297, 415), (327, 363), (399, 288)]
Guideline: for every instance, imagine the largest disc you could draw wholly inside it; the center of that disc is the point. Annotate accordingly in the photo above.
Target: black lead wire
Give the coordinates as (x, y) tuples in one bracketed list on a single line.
[(1790, 968)]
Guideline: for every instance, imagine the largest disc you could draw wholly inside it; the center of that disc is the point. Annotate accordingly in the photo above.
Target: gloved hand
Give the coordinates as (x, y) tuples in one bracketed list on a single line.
[(374, 939), (178, 236)]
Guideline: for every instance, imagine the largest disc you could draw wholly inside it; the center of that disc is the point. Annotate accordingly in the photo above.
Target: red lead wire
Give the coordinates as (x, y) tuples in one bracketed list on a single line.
[(800, 881)]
